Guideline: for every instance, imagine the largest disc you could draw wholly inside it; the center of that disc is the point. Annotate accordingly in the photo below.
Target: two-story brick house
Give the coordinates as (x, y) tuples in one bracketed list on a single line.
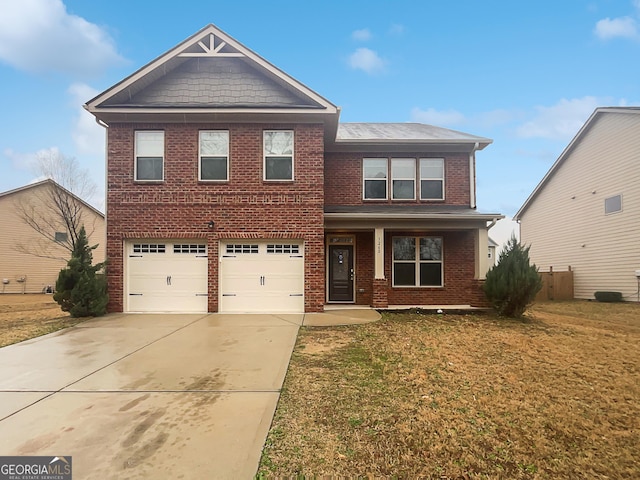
[(232, 187)]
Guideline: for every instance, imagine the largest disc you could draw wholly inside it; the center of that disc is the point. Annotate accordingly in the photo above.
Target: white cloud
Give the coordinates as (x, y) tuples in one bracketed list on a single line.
[(28, 161), (396, 29), (366, 60), (362, 35), (624, 27), (562, 120), (87, 135), (41, 36), (444, 118)]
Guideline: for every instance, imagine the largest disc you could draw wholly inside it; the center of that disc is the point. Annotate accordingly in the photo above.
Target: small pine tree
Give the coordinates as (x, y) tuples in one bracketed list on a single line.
[(513, 283), (79, 290)]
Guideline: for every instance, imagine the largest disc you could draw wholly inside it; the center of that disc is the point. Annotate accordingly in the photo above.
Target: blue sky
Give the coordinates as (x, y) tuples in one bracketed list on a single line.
[(526, 74)]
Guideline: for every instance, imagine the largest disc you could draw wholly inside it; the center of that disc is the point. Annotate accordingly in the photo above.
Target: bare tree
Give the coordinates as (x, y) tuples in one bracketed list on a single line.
[(55, 211)]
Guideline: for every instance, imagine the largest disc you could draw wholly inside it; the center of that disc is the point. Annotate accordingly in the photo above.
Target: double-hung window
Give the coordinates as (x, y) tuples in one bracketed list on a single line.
[(374, 174), (432, 179), (403, 178), (417, 261), (149, 155), (278, 155), (214, 155)]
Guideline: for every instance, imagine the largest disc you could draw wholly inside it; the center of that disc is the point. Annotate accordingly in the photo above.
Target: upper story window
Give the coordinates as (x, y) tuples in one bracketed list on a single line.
[(403, 178), (214, 155), (613, 204), (375, 173), (149, 155), (278, 155), (432, 179)]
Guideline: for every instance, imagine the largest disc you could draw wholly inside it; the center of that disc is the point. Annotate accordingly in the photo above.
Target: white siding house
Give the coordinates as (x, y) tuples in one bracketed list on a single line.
[(585, 213)]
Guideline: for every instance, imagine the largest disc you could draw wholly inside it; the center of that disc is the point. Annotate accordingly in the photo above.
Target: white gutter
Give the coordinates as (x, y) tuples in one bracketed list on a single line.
[(472, 175)]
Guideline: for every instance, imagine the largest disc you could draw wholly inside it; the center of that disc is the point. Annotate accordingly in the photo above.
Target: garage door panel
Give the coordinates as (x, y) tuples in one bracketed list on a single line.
[(167, 276), (261, 277)]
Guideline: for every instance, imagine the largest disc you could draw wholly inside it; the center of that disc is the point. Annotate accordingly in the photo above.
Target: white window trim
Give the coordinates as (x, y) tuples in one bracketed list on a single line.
[(413, 179), (135, 156), (364, 181), (417, 262), (420, 177), (200, 157), (265, 156)]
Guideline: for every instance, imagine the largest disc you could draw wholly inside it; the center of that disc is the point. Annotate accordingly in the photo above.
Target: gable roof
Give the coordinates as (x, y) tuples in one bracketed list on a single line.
[(597, 113), (411, 135), (210, 73), (54, 184)]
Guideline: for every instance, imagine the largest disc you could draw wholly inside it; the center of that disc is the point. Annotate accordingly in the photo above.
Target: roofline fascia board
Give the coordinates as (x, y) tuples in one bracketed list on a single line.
[(92, 105), (488, 217), (480, 142), (401, 146)]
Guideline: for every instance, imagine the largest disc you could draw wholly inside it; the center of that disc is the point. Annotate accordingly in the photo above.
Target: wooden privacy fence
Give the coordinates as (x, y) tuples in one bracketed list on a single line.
[(556, 285)]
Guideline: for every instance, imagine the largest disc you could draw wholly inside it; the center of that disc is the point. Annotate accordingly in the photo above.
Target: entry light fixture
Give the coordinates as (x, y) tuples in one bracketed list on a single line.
[(211, 224)]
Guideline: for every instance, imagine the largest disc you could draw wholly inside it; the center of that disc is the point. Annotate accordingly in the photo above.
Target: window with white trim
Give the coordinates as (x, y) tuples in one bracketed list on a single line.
[(149, 155), (278, 155), (374, 174), (403, 178), (417, 262), (613, 204), (214, 155), (432, 179)]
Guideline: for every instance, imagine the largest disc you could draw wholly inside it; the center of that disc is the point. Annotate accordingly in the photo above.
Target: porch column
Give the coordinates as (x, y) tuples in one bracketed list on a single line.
[(482, 253), (379, 254), (380, 287)]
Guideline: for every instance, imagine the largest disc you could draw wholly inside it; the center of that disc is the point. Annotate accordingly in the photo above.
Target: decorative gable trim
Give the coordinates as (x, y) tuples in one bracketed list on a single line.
[(210, 42), (212, 50)]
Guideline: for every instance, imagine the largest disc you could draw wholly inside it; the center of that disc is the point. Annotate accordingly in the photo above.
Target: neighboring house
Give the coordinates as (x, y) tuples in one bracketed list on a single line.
[(492, 252), (30, 261), (233, 187), (585, 212)]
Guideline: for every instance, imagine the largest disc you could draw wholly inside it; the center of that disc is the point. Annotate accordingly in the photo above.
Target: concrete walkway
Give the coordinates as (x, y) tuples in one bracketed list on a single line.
[(152, 396)]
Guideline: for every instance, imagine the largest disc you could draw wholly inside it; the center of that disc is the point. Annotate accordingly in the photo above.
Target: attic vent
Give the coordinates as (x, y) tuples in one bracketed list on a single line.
[(613, 204)]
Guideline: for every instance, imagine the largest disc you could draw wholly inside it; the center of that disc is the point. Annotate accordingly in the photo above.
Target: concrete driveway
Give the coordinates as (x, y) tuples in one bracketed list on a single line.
[(148, 396)]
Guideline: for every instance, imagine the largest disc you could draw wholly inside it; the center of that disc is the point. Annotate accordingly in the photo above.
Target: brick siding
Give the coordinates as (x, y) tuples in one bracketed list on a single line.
[(343, 178), (180, 207)]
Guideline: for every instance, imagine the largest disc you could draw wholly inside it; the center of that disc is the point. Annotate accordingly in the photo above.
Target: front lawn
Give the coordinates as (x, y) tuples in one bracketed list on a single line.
[(465, 396)]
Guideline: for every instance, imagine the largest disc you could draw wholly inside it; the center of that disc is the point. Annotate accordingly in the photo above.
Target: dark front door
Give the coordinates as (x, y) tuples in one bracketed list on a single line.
[(341, 273)]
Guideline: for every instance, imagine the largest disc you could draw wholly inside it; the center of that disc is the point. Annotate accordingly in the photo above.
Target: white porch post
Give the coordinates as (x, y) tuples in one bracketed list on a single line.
[(482, 253), (379, 254)]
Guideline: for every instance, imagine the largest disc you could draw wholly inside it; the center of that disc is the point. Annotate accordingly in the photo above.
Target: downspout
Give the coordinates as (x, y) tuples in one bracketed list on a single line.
[(106, 180), (472, 176)]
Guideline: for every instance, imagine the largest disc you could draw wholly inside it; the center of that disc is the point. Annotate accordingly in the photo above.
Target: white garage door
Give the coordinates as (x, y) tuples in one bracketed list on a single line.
[(167, 276), (265, 276)]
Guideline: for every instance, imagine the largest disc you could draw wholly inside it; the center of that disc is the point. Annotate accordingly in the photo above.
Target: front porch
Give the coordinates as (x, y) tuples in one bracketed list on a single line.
[(389, 260)]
